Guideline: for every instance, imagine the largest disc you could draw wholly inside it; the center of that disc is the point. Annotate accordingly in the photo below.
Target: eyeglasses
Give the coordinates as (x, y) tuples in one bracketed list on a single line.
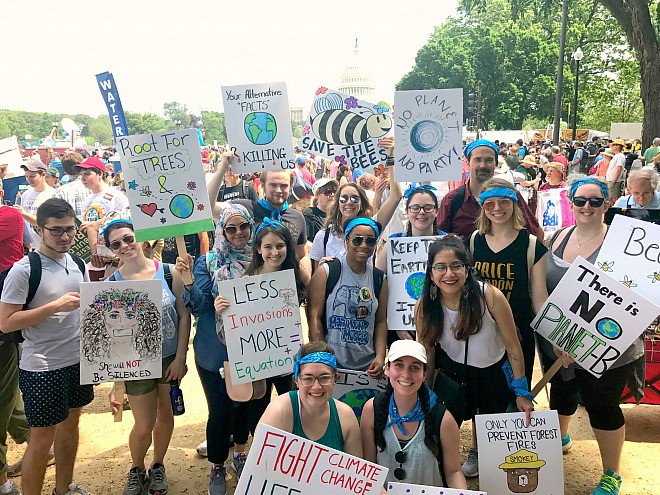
[(308, 380), (231, 229), (454, 267), (358, 240), (128, 239), (58, 231), (355, 199), (594, 202), (417, 208), (401, 457), (489, 204)]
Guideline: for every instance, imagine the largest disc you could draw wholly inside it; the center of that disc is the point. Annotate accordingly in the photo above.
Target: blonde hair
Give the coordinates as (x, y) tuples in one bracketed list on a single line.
[(483, 222)]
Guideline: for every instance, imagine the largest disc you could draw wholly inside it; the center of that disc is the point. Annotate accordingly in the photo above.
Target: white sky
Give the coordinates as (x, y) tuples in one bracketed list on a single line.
[(184, 50)]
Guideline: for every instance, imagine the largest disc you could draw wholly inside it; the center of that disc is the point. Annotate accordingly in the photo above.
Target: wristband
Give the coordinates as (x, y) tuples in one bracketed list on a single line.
[(389, 161)]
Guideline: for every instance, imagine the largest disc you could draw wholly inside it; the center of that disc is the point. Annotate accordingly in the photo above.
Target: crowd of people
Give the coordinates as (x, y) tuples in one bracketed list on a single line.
[(326, 223)]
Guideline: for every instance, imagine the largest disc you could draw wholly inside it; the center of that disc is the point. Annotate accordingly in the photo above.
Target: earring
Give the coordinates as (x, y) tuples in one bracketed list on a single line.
[(433, 291)]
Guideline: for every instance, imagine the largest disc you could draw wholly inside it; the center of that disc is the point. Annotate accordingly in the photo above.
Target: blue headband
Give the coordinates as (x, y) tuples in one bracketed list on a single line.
[(423, 187), (361, 221), (116, 220), (582, 182), (498, 192), (270, 223), (314, 357), (480, 142)]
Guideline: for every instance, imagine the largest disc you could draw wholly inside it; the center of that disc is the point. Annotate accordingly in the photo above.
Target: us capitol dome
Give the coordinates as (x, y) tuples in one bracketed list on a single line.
[(355, 81)]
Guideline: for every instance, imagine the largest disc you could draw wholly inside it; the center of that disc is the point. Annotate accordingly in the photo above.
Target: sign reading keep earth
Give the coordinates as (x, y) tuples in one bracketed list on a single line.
[(165, 184), (258, 126)]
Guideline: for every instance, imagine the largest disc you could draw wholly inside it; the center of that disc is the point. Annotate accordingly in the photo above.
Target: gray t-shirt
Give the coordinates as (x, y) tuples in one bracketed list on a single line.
[(351, 317), (53, 343)]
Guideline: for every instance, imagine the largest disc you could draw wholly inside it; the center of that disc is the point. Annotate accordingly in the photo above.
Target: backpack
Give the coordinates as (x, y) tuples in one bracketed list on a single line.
[(334, 272), (33, 285), (167, 275), (584, 159)]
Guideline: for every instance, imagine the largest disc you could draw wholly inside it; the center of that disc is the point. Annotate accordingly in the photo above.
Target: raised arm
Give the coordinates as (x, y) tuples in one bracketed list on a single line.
[(213, 185), (316, 294), (390, 205)]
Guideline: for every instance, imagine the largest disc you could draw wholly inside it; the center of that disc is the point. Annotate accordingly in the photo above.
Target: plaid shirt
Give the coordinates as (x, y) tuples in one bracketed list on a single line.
[(74, 193)]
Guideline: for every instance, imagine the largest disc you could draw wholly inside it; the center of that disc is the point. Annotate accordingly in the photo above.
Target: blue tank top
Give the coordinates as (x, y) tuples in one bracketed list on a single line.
[(332, 437)]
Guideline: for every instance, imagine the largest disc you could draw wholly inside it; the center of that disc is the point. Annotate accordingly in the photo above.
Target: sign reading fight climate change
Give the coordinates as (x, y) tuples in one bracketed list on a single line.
[(593, 317)]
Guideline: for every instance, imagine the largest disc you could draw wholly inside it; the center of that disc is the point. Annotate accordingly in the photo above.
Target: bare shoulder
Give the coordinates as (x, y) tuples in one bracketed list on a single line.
[(279, 413)]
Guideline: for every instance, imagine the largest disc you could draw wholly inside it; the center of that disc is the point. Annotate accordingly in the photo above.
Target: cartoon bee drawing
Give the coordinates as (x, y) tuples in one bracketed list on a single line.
[(655, 277), (338, 126), (145, 191), (606, 266), (628, 282)]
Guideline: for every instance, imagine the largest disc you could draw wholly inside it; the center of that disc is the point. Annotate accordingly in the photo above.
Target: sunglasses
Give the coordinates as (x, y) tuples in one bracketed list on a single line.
[(329, 191), (128, 239), (594, 202), (59, 231), (355, 199), (231, 229), (358, 240), (489, 205), (401, 457)]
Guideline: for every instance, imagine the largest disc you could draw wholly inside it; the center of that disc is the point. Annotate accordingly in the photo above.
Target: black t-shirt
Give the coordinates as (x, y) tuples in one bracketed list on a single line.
[(630, 158), (170, 250), (242, 190), (291, 218), (507, 270), (592, 149), (314, 217)]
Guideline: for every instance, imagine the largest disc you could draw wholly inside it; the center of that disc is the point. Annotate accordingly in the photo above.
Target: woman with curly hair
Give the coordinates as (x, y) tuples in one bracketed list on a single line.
[(149, 398), (397, 426)]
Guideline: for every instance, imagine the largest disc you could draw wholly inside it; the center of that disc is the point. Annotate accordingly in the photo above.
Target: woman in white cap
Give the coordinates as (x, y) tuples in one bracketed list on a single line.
[(407, 429)]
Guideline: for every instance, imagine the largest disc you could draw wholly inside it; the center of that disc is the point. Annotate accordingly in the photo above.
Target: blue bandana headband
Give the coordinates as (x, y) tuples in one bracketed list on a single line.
[(423, 187), (361, 221), (270, 223), (498, 192), (582, 182), (416, 414), (117, 220), (480, 142), (314, 357)]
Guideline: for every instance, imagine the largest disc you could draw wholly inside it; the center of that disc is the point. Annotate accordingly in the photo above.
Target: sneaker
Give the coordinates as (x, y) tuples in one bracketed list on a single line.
[(610, 484), (15, 469), (238, 462), (202, 449), (137, 482), (13, 489), (471, 467), (158, 481), (218, 482), (566, 443), (74, 489)]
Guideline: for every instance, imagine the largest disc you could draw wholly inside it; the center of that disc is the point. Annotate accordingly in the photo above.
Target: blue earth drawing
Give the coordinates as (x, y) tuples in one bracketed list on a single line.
[(260, 127), (182, 206), (426, 136), (356, 399), (609, 328), (415, 285)]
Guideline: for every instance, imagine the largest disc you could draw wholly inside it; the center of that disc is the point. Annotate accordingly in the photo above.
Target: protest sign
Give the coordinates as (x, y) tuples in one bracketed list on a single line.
[(428, 131), (514, 458), (258, 124), (347, 130), (10, 154), (593, 317), (406, 489), (262, 325), (355, 388), (110, 94), (553, 210), (631, 254), (80, 246), (121, 331), (165, 184), (406, 271), (283, 462)]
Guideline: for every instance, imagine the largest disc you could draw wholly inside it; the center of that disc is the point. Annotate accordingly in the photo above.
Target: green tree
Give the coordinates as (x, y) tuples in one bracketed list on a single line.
[(214, 127), (175, 111), (101, 131), (145, 123)]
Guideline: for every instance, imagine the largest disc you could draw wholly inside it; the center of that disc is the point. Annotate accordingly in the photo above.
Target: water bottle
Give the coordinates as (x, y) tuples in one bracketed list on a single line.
[(176, 396)]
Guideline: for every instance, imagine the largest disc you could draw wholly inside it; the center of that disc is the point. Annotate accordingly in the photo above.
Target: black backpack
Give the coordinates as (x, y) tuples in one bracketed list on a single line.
[(584, 160), (33, 285)]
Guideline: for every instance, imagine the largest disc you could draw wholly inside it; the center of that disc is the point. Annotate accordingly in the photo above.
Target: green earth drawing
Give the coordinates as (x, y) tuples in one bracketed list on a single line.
[(182, 206), (415, 285), (356, 399), (608, 328), (260, 127)]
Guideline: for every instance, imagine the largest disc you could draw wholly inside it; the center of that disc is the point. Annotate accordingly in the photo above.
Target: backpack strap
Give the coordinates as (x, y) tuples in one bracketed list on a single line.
[(379, 275), (456, 203), (531, 251), (80, 262), (326, 237), (35, 276), (472, 237), (334, 272), (167, 274)]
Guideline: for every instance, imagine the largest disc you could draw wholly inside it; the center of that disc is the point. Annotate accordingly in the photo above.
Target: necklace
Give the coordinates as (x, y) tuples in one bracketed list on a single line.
[(65, 265), (580, 243)]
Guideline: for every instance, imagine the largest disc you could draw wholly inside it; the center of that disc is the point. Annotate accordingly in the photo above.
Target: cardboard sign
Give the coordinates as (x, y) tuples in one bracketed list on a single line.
[(406, 489), (428, 131), (165, 184), (514, 458), (593, 317), (80, 246), (631, 254), (406, 271), (355, 388), (258, 125), (281, 463), (262, 325), (347, 130), (10, 154), (121, 331), (553, 210)]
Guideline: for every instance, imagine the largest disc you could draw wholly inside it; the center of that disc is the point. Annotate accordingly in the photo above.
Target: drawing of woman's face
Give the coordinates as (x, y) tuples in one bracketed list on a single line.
[(121, 324)]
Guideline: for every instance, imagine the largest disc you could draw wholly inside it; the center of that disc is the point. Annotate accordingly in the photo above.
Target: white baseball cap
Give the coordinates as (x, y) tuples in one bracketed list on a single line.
[(401, 348), (322, 182)]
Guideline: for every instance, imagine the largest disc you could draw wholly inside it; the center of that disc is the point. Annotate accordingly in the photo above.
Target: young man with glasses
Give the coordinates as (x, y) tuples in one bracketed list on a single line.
[(49, 368), (324, 192)]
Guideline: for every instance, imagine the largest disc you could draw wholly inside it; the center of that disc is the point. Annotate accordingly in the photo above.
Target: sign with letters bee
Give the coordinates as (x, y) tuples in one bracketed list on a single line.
[(428, 131), (347, 130), (258, 126)]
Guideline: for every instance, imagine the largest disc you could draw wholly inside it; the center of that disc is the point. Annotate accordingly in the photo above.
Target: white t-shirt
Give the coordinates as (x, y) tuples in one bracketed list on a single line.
[(53, 343), (99, 205), (335, 246), (618, 160), (30, 201)]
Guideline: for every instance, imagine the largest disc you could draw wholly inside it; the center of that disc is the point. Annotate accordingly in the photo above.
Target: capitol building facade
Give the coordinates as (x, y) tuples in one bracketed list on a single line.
[(355, 81)]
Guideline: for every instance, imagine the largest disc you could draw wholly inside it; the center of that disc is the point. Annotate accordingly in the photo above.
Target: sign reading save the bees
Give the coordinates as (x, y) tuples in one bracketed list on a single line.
[(593, 317), (258, 126)]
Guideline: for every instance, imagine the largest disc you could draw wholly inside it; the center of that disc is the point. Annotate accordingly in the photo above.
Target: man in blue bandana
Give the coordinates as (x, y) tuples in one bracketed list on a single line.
[(460, 208)]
